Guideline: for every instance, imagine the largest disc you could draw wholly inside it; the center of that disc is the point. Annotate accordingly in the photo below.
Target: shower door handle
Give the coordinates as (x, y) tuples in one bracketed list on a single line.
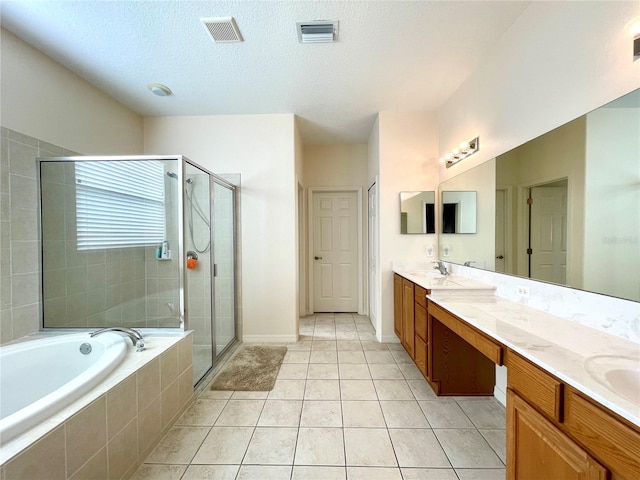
[(215, 269), (317, 258)]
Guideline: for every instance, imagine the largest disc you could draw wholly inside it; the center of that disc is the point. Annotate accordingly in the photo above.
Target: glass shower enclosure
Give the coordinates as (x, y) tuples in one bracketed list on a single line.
[(143, 242)]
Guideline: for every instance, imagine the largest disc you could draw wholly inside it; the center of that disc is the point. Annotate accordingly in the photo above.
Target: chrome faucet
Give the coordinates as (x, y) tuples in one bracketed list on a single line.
[(136, 337), (468, 263), (441, 267)]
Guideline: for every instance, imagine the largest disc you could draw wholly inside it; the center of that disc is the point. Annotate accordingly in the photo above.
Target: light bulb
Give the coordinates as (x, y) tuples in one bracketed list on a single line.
[(448, 156), (464, 146), (442, 160), (455, 152)]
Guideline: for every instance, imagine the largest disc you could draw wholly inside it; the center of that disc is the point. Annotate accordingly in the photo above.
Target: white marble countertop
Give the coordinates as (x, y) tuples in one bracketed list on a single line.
[(579, 355), (434, 281)]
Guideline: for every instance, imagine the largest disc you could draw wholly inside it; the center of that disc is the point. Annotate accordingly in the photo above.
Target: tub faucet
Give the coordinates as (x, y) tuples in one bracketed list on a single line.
[(136, 337), (441, 267)]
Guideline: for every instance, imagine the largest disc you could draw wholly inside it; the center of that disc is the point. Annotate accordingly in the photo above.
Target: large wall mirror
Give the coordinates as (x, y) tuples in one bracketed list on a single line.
[(417, 212), (563, 207)]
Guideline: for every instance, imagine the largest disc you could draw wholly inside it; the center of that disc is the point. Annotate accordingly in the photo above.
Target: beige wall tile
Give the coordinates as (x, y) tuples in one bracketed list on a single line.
[(170, 403), (148, 381), (86, 433), (185, 353), (121, 406), (123, 451), (185, 382), (168, 367), (29, 464), (94, 469), (149, 427)]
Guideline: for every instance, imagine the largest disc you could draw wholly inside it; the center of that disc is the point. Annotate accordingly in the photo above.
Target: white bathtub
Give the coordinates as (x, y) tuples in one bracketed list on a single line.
[(40, 377)]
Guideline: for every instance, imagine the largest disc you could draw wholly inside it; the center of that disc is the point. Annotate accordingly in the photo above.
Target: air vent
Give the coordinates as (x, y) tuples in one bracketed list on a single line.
[(222, 29), (318, 31)]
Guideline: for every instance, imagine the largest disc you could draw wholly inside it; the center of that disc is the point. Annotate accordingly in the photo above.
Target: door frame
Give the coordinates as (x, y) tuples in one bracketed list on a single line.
[(310, 193)]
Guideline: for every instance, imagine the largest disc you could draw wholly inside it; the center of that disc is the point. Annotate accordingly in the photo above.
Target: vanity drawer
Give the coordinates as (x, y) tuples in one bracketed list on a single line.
[(420, 296), (421, 322), (613, 442), (534, 384), (477, 339)]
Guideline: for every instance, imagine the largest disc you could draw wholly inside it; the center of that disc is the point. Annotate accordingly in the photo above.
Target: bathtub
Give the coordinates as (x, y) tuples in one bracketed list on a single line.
[(40, 377)]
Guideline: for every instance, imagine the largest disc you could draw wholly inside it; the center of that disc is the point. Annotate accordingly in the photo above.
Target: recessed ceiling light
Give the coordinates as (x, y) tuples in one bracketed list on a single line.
[(159, 89)]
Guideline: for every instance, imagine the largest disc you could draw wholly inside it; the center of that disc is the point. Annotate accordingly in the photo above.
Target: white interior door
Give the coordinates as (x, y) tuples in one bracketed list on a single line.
[(549, 234), (335, 252), (373, 254)]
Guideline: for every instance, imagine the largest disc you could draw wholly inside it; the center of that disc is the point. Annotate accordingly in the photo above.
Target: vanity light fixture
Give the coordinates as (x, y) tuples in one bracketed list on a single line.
[(464, 150)]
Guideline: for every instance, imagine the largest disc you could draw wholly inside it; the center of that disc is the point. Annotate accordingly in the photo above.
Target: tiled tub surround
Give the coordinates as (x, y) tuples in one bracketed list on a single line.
[(108, 432), (568, 350)]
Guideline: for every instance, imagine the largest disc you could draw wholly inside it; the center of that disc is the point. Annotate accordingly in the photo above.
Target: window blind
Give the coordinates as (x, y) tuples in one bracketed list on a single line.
[(119, 204)]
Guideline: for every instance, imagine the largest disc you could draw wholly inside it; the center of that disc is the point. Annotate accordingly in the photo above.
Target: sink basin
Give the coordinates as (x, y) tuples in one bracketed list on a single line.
[(619, 374)]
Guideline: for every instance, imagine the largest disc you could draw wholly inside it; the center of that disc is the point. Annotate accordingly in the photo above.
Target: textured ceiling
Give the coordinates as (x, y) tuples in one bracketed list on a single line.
[(390, 55)]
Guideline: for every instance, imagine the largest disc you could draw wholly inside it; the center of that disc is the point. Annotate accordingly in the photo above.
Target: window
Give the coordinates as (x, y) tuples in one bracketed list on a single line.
[(119, 203)]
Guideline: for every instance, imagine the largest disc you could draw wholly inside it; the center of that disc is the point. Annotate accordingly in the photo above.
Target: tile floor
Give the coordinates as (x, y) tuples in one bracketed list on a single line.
[(343, 407)]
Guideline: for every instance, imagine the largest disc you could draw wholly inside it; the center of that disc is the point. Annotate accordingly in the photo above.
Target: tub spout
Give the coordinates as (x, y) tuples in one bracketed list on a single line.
[(136, 337)]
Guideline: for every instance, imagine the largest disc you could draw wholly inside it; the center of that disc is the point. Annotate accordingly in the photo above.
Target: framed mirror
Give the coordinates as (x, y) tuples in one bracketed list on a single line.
[(564, 207), (458, 212), (417, 212)]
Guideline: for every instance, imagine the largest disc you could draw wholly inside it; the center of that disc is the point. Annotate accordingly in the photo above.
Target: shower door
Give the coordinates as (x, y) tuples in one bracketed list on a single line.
[(224, 268), (199, 271)]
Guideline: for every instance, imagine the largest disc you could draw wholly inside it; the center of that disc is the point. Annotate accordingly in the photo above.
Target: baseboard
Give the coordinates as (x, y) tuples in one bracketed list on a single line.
[(500, 395), (270, 338)]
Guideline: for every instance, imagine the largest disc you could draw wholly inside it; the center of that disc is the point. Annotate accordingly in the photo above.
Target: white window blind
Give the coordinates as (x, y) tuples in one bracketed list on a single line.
[(119, 203)]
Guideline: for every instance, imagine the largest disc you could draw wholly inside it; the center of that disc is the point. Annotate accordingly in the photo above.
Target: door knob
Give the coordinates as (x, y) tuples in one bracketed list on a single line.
[(500, 257), (318, 258)]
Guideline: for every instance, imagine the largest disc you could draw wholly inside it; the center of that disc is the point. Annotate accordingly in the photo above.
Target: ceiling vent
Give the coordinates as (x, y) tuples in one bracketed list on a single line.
[(222, 29), (318, 31)]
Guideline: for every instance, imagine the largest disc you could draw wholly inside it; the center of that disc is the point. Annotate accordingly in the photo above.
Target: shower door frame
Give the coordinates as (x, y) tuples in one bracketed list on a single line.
[(213, 179)]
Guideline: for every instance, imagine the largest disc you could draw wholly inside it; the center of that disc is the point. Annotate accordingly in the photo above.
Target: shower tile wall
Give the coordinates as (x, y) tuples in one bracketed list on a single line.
[(84, 288), (162, 276), (19, 253), (199, 278)]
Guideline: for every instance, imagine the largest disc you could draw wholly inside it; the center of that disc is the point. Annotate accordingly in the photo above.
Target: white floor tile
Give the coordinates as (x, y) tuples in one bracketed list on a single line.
[(418, 448), (362, 414), (369, 447), (357, 390), (322, 390), (403, 414), (321, 414), (318, 473), (264, 472), (271, 446), (373, 473), (224, 446), (281, 413), (466, 448), (320, 446), (240, 413)]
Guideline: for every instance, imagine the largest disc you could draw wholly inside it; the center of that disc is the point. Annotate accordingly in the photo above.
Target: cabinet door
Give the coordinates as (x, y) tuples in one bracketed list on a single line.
[(397, 305), (536, 449), (408, 328), (420, 316), (421, 355)]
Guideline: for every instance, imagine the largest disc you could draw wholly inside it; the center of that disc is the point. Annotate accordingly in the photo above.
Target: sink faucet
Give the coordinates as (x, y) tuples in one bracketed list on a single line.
[(136, 337), (441, 267), (468, 263)]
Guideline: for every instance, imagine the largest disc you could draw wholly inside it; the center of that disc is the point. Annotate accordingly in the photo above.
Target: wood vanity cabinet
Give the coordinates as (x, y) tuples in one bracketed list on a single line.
[(408, 326), (536, 449), (554, 431), (420, 331), (397, 305)]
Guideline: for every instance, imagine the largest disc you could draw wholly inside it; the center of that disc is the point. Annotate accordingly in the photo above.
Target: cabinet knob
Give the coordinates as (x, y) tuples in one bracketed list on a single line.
[(318, 258)]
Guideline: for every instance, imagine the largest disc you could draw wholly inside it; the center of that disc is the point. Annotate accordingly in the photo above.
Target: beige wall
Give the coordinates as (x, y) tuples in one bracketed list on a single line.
[(408, 148), (554, 156), (261, 148), (342, 165), (45, 100), (335, 165), (477, 247), (39, 122), (558, 61), (611, 243)]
